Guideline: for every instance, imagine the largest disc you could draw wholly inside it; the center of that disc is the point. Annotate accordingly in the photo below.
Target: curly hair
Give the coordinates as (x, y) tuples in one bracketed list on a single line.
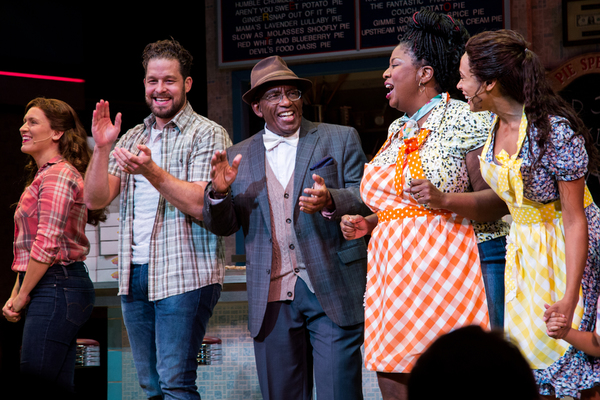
[(169, 49), (504, 56), (437, 40), (73, 145)]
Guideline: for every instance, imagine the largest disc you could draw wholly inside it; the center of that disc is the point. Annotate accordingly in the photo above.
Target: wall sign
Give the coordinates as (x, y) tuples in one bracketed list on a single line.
[(578, 82), (250, 30), (581, 22)]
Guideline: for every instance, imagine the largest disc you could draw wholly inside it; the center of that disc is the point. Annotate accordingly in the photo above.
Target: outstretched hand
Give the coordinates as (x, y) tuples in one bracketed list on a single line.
[(222, 175), (318, 197), (105, 133)]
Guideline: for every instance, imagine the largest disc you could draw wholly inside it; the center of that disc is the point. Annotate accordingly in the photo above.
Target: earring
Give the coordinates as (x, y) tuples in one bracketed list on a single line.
[(421, 87)]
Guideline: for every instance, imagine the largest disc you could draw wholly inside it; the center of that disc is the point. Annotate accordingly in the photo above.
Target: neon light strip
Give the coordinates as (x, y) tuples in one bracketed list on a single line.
[(46, 77)]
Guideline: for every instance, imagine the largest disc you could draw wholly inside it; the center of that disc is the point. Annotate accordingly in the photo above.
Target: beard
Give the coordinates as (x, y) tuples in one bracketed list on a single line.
[(166, 112)]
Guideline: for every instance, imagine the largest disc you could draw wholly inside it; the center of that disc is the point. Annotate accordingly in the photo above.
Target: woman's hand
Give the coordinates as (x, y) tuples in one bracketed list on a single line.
[(9, 313), (554, 324), (424, 192), (562, 311), (20, 302)]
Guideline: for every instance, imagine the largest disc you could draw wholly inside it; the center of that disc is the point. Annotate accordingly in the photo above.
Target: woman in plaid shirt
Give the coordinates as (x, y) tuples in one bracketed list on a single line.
[(50, 244)]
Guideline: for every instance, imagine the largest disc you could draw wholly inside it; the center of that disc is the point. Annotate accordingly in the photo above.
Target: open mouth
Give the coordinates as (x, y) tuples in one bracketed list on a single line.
[(389, 87), (161, 100), (286, 115)]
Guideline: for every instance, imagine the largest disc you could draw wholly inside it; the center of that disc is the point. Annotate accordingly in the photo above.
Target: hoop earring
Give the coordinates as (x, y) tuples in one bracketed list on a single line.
[(421, 87)]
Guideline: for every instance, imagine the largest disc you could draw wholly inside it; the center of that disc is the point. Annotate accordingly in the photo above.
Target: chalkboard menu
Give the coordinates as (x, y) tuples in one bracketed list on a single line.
[(250, 30)]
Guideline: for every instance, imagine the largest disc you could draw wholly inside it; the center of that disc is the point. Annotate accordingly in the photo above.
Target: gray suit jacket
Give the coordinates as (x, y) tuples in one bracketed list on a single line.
[(337, 268)]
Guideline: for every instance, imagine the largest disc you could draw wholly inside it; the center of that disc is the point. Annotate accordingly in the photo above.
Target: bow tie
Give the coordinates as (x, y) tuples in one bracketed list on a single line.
[(272, 140)]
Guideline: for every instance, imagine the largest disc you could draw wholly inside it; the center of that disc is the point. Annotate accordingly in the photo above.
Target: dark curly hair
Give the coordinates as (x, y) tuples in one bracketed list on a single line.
[(169, 49), (73, 145), (504, 56), (437, 40)]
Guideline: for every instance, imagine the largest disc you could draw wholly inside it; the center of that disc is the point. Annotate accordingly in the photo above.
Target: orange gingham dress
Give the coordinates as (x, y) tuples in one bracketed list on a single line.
[(423, 278)]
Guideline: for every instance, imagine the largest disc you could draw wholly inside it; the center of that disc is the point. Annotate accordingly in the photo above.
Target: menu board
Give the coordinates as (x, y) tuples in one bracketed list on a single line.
[(382, 22), (250, 30)]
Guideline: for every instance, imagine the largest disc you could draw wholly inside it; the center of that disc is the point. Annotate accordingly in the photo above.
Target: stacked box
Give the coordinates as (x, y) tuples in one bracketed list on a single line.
[(108, 245), (91, 261)]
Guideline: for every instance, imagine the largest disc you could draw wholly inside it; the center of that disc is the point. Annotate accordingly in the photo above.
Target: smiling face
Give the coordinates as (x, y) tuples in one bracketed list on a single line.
[(165, 89), (284, 118), (401, 78), (471, 87), (38, 139)]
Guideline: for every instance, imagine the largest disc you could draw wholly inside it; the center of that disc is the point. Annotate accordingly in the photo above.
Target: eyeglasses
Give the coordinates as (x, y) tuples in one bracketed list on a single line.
[(275, 98)]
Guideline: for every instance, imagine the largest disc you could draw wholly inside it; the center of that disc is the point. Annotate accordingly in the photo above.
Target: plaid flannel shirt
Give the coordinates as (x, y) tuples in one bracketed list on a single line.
[(50, 218), (184, 256)]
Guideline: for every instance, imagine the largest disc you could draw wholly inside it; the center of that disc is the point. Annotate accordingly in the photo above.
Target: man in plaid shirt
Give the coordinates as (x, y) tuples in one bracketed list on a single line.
[(170, 267)]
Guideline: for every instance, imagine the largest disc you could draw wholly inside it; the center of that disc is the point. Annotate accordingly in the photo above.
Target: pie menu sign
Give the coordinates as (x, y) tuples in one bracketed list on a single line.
[(250, 30)]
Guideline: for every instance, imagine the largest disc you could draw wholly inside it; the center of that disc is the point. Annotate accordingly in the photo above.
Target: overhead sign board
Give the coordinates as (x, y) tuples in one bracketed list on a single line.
[(250, 30)]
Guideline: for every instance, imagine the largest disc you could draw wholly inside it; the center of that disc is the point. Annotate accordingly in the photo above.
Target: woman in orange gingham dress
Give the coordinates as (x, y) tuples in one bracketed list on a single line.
[(424, 275)]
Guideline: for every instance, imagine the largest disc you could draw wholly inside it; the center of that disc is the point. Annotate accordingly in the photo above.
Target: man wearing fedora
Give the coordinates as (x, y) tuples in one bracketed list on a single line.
[(305, 282)]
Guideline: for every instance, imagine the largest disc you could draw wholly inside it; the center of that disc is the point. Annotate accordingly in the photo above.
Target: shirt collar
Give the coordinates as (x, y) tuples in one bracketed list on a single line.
[(272, 140), (180, 120), (54, 160)]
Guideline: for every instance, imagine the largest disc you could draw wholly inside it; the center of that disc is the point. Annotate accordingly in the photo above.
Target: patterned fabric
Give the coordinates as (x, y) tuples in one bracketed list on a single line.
[(337, 267), (424, 278), (50, 218), (444, 153), (184, 256), (535, 269)]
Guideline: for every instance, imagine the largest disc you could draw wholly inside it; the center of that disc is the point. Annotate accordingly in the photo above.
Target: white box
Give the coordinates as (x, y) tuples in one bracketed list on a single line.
[(93, 250), (92, 235), (109, 233), (93, 276), (107, 262), (108, 247), (107, 275), (91, 263), (112, 219)]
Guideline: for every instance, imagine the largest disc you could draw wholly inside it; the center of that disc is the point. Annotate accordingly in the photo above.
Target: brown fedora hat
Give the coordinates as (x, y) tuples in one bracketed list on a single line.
[(273, 70)]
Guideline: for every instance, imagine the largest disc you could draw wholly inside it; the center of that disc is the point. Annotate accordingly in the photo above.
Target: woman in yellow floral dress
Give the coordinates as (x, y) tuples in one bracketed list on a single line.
[(536, 158)]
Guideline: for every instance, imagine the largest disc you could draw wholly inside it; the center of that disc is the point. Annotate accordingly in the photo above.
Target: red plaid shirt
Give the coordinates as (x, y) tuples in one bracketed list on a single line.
[(50, 218)]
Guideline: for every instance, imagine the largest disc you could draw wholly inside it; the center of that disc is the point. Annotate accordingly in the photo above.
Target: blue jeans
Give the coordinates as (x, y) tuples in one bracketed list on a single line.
[(166, 335), (60, 303), (492, 254)]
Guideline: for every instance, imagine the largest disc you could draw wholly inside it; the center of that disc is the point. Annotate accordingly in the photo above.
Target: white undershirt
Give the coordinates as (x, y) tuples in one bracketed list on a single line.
[(145, 203)]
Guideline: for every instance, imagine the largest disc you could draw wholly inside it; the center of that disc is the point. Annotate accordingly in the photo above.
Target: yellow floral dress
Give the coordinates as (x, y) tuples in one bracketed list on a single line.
[(535, 260)]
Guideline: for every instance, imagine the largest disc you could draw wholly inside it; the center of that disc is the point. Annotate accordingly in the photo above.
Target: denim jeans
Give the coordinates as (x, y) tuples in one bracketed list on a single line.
[(166, 335), (492, 255), (60, 303)]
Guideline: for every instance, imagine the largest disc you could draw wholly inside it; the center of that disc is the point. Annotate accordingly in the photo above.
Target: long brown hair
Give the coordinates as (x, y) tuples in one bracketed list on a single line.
[(504, 56), (73, 145)]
